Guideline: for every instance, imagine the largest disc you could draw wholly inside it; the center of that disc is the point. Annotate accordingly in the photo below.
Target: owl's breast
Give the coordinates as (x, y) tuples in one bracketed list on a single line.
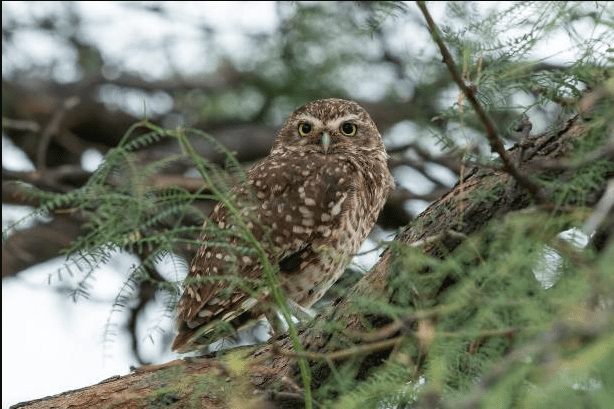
[(331, 200)]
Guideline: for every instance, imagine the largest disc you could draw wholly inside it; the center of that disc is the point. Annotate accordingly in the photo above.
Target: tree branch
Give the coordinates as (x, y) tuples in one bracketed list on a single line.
[(272, 366)]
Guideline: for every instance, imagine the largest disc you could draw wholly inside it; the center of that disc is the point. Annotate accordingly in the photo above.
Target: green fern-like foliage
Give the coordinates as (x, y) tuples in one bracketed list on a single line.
[(513, 316), (481, 330), (124, 210)]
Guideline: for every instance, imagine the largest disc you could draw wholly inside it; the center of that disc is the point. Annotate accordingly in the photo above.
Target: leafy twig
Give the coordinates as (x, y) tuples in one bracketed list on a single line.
[(491, 131)]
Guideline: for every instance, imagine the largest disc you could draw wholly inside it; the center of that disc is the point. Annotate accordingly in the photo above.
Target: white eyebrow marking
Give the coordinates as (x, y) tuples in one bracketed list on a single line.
[(336, 123), (316, 122)]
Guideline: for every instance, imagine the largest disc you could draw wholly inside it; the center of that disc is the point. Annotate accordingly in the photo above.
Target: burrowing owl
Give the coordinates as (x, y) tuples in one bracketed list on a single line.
[(315, 198)]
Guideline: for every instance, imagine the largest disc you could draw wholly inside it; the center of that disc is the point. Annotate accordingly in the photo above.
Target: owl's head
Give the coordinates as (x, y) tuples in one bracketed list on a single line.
[(329, 126)]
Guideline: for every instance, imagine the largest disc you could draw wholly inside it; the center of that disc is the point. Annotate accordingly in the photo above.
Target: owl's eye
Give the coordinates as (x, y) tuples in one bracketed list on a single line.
[(304, 128), (348, 129)]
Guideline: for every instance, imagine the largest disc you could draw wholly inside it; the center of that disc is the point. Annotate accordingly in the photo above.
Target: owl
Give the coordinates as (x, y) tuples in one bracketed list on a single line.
[(308, 206)]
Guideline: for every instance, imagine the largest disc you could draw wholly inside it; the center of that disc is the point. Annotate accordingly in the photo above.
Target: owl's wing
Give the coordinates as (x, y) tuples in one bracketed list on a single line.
[(219, 275)]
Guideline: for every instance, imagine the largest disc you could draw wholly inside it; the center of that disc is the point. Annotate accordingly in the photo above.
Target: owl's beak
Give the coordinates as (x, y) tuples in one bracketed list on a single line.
[(325, 141)]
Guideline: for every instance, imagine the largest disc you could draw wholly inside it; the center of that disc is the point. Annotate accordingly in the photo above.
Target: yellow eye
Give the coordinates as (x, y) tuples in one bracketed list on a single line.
[(304, 128), (348, 129)]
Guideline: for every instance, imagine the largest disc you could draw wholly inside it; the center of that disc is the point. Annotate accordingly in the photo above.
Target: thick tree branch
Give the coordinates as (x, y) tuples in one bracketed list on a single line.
[(272, 367)]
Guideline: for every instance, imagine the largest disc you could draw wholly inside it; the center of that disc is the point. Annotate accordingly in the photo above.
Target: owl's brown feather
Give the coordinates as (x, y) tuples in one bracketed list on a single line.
[(316, 198)]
